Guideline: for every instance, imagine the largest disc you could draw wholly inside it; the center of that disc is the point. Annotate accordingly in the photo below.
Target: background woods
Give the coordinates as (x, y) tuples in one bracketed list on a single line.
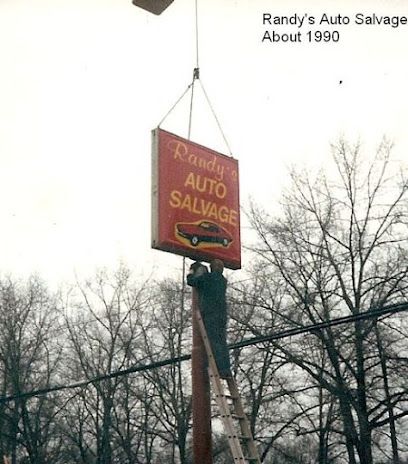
[(339, 248), (337, 394)]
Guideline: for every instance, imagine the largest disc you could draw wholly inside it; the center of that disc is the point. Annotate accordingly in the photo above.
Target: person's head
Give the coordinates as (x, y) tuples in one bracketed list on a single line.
[(217, 265), (198, 268)]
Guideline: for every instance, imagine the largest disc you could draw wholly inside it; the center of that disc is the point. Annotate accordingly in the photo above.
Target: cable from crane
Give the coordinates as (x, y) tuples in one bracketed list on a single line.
[(196, 76)]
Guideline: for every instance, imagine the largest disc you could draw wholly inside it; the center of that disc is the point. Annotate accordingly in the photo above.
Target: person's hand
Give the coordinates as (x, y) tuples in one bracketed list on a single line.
[(197, 269)]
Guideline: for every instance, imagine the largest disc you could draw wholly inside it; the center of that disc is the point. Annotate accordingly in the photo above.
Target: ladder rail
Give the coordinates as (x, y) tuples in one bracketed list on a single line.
[(224, 407), (245, 426), (232, 436), (220, 395)]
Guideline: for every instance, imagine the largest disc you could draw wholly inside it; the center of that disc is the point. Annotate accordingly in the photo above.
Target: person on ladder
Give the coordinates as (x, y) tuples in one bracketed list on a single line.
[(212, 287)]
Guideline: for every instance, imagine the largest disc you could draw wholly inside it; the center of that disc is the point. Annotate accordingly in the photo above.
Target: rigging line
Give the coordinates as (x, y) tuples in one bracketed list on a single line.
[(370, 314), (216, 119), (183, 289), (175, 104), (195, 76), (190, 119), (196, 26)]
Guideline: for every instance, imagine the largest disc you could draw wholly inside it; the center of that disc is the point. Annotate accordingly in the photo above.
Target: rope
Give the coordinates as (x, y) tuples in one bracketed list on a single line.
[(216, 119), (196, 76), (196, 25), (190, 119), (175, 104)]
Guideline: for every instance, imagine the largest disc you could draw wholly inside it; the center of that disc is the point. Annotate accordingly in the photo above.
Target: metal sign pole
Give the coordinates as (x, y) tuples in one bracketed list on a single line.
[(201, 401)]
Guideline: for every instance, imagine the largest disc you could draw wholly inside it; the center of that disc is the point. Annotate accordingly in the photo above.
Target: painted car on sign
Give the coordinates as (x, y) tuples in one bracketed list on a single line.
[(203, 232)]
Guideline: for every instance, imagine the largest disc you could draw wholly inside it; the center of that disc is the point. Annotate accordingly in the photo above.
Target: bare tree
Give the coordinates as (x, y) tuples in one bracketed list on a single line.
[(29, 360), (105, 336), (168, 336), (339, 248)]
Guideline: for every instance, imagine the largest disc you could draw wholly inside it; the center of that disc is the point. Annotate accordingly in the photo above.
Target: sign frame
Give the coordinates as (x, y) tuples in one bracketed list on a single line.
[(195, 200)]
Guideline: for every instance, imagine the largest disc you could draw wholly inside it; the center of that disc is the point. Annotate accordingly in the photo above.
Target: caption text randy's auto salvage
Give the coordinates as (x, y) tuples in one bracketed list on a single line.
[(324, 28)]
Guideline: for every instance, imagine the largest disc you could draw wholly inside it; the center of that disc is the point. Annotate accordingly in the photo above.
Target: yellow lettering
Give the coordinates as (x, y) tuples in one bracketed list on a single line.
[(220, 190), (223, 214), (190, 181), (205, 206), (179, 150), (211, 183), (212, 213), (186, 203), (233, 217), (175, 199), (201, 188), (192, 159), (213, 165), (195, 209), (205, 185)]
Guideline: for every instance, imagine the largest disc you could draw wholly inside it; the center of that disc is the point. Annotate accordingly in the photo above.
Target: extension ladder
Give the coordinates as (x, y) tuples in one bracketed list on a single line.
[(234, 419)]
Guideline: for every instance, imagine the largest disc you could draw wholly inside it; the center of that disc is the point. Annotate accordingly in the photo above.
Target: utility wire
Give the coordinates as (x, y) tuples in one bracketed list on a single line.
[(371, 314)]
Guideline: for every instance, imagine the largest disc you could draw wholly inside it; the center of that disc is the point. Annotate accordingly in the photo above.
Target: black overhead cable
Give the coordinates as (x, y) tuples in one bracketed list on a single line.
[(371, 314)]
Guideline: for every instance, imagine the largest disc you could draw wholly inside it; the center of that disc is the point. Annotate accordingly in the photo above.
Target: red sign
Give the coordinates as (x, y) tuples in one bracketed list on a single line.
[(195, 194)]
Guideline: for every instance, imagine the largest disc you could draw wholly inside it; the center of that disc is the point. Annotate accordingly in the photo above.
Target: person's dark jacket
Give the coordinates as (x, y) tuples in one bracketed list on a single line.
[(212, 301)]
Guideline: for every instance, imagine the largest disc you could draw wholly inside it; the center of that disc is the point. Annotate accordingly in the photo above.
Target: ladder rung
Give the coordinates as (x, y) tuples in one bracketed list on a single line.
[(230, 408), (226, 395)]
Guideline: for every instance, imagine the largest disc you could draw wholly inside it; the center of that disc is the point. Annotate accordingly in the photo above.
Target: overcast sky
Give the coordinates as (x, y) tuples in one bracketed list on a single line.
[(83, 82)]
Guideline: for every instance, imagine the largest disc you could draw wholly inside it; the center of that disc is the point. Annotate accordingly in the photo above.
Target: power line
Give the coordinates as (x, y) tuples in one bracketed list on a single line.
[(371, 314)]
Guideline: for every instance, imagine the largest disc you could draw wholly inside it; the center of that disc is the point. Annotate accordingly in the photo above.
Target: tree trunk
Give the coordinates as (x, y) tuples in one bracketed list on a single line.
[(364, 448), (393, 433)]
